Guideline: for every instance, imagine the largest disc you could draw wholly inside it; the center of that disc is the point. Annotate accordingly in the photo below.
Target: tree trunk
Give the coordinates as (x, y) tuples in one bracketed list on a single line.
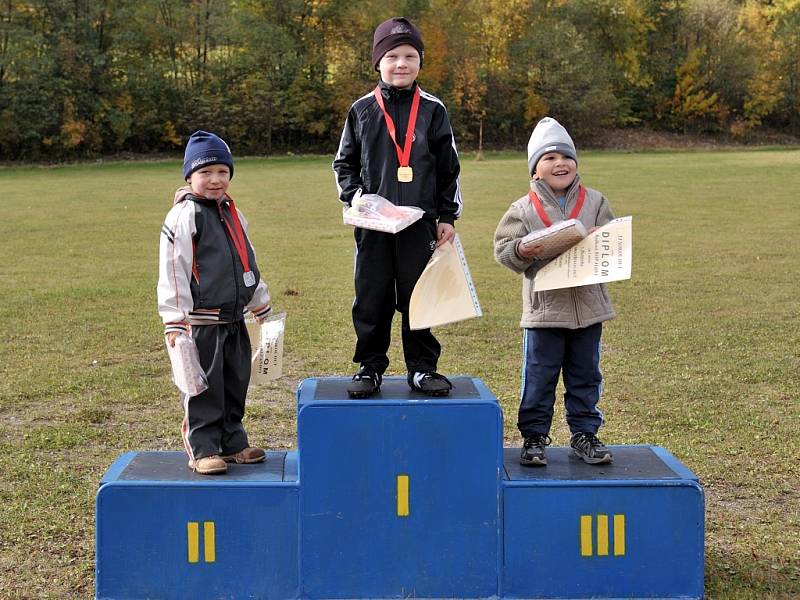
[(479, 155)]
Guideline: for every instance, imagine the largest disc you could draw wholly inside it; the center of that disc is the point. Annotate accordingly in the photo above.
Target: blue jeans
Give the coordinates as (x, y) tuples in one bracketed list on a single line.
[(574, 353)]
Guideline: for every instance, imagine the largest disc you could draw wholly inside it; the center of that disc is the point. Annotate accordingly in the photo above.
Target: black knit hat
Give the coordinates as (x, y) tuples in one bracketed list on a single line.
[(204, 148), (392, 33)]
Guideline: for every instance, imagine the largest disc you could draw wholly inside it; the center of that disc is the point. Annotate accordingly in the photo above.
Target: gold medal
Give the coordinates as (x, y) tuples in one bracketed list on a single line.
[(405, 174)]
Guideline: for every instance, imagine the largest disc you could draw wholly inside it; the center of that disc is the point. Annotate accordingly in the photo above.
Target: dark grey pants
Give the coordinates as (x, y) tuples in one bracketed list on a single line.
[(387, 269), (213, 420)]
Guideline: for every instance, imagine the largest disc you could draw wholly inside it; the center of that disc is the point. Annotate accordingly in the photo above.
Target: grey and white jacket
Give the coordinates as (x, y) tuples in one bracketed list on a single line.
[(570, 308), (200, 279)]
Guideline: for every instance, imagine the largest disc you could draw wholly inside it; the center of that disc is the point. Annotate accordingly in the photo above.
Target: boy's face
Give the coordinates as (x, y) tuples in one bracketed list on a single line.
[(400, 66), (210, 181), (557, 171)]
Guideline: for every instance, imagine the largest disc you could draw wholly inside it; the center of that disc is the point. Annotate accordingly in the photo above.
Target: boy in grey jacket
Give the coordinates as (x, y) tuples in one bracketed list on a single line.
[(207, 278), (562, 327)]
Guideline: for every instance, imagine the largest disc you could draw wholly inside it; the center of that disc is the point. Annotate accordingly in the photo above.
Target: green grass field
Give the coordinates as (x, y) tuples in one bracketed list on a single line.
[(703, 359)]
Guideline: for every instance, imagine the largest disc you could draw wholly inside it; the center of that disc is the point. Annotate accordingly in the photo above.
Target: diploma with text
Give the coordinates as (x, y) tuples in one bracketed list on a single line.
[(604, 255)]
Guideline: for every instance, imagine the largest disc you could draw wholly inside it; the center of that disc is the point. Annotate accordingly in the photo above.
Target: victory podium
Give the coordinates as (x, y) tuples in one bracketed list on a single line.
[(401, 496)]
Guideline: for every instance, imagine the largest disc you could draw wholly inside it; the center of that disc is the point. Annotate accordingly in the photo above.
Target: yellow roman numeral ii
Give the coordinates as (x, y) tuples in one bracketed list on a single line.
[(193, 541)]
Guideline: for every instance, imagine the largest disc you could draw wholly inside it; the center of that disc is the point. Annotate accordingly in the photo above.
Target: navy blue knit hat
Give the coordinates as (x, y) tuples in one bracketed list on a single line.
[(204, 148)]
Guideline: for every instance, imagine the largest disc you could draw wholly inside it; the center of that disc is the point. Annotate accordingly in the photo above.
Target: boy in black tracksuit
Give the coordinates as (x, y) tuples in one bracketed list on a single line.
[(376, 157), (207, 278)]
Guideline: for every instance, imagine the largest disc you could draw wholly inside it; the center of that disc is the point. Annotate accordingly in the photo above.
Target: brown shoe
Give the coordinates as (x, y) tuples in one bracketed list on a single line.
[(246, 456), (208, 465)]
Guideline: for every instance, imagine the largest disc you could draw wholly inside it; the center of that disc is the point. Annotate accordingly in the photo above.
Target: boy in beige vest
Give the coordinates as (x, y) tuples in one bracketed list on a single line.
[(562, 328)]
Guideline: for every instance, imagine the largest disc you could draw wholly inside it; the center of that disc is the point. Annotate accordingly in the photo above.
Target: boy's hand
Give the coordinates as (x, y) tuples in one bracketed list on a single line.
[(444, 233), (171, 337), (529, 251)]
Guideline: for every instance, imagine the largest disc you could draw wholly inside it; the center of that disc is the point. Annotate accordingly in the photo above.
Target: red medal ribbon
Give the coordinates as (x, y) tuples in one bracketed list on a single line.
[(404, 155), (237, 233), (537, 204)]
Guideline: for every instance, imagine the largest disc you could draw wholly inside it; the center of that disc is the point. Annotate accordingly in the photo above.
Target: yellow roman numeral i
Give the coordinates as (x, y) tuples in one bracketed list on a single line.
[(403, 484)]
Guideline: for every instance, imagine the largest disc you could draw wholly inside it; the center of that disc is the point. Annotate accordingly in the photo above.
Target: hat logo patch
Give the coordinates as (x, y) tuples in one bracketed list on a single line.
[(400, 29), (204, 160), (550, 148)]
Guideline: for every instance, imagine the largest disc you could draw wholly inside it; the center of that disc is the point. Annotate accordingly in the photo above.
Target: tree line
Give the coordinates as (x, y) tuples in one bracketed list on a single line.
[(83, 78)]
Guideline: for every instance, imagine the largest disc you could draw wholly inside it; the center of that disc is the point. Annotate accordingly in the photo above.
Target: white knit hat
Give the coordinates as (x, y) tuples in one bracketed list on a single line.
[(549, 136)]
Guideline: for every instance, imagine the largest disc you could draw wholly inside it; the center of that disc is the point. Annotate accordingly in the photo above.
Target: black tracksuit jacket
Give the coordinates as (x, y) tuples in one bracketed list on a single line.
[(367, 158)]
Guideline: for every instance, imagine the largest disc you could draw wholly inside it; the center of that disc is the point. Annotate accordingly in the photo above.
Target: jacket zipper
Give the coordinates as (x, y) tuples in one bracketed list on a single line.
[(573, 293), (235, 284), (396, 116), (575, 306), (233, 258)]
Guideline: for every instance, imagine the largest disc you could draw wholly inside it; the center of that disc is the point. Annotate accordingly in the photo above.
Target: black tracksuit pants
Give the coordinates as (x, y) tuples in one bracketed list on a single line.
[(213, 420), (386, 270)]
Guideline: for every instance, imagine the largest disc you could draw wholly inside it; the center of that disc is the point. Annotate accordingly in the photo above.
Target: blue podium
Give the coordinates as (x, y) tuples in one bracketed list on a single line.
[(630, 529), (165, 532), (401, 496)]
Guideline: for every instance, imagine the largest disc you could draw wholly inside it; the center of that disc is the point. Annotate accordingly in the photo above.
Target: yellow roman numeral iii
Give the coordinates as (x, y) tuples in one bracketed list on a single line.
[(602, 536)]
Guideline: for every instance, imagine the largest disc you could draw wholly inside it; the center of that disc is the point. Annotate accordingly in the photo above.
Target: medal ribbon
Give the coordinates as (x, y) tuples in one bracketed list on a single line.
[(537, 204), (237, 233), (404, 155)]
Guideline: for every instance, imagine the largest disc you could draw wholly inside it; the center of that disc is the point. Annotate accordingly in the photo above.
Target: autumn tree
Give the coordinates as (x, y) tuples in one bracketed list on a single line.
[(84, 78)]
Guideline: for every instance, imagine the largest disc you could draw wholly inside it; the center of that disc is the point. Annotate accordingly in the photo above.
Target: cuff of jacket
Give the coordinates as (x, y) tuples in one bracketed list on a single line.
[(524, 259), (447, 218), (262, 311), (178, 326)]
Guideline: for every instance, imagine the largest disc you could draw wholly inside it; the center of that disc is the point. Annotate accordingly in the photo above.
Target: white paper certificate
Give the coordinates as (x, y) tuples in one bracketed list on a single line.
[(603, 256), (444, 293)]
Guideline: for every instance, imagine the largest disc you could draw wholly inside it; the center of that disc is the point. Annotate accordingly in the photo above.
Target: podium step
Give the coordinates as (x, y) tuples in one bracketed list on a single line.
[(630, 462), (166, 532), (173, 466), (629, 529), (399, 491), (393, 388)]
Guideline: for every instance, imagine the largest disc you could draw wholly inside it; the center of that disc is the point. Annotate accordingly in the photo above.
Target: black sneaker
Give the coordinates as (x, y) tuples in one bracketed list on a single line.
[(589, 448), (533, 450), (429, 382), (365, 383)]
